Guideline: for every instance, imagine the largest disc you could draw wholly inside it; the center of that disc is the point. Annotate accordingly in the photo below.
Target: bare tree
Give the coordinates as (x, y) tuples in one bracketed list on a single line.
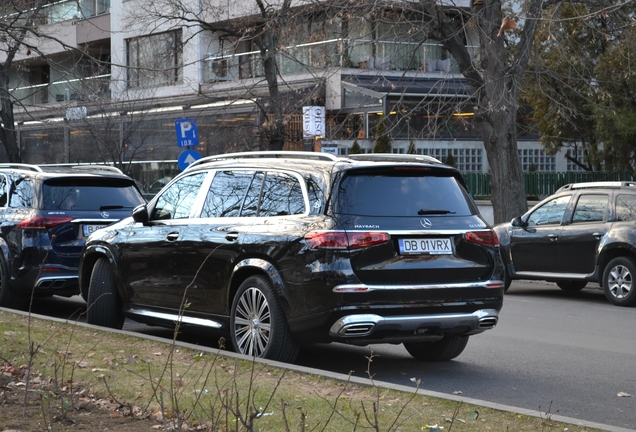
[(18, 20)]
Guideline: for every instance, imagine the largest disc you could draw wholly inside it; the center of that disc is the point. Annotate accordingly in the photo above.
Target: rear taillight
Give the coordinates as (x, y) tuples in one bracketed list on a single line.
[(486, 238), (345, 240), (41, 222)]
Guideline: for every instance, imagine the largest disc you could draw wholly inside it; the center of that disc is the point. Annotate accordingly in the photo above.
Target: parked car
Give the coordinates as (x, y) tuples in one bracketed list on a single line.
[(274, 250), (583, 233), (47, 215)]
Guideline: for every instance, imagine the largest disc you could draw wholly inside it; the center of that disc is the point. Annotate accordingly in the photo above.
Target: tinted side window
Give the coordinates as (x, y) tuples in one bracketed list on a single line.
[(550, 212), (227, 193), (403, 194), (626, 208), (23, 194), (590, 208), (250, 206), (177, 200), (282, 195), (3, 190)]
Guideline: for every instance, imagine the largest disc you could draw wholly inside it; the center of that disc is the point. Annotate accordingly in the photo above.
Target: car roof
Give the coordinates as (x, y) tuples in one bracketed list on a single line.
[(44, 171), (313, 160), (598, 185)]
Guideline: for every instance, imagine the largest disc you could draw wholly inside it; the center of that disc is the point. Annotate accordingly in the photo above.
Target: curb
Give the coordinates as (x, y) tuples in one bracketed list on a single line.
[(338, 376)]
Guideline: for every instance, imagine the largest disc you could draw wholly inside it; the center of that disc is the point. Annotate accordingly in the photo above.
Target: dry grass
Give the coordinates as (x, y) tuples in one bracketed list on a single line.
[(182, 389)]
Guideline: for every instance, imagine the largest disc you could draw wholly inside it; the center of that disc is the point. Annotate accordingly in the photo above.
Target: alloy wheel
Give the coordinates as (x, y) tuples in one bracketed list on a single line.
[(620, 281), (252, 323)]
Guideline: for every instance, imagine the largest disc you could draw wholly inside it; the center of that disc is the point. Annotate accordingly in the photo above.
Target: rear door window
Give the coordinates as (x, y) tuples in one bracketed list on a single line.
[(23, 194), (401, 194), (590, 208), (227, 194)]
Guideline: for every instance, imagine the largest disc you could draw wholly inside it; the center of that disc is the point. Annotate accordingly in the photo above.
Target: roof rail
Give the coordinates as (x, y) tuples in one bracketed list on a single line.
[(394, 157), (106, 168), (23, 166), (267, 154), (598, 184)]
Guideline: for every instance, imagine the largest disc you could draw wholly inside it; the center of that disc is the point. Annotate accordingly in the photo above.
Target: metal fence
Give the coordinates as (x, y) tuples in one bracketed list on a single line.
[(542, 184)]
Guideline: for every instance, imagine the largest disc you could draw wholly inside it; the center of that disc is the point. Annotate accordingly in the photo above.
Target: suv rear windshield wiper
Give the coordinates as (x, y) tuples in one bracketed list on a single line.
[(112, 207), (434, 212)]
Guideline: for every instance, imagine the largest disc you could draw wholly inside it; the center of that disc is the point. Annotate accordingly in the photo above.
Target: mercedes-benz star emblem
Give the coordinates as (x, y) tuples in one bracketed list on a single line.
[(105, 215), (426, 223)]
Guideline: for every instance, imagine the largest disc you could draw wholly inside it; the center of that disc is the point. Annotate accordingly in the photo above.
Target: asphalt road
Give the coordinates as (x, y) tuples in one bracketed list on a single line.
[(557, 352)]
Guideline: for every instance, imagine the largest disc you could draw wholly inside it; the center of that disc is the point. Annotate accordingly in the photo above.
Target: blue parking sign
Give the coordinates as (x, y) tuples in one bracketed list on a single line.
[(187, 134)]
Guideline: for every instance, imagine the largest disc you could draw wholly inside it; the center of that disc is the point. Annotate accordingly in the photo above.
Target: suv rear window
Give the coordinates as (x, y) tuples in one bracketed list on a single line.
[(402, 194), (90, 194)]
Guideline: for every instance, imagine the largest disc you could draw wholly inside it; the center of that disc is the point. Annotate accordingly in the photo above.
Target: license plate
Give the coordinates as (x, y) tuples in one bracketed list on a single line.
[(431, 246), (89, 229)]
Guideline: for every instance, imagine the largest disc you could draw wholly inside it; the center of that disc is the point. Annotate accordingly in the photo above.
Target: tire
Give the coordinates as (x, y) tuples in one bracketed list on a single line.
[(442, 350), (507, 280), (257, 323), (571, 285), (619, 282), (104, 305), (8, 297)]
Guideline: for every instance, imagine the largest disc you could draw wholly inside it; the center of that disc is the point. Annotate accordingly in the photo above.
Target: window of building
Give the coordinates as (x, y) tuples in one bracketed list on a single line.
[(466, 159), (154, 60), (536, 160)]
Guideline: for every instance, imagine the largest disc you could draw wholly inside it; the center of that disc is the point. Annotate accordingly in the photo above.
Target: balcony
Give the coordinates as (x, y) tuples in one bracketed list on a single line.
[(344, 53), (72, 9)]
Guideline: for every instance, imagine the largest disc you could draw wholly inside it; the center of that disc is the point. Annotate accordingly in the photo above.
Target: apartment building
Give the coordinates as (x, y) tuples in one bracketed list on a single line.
[(110, 83)]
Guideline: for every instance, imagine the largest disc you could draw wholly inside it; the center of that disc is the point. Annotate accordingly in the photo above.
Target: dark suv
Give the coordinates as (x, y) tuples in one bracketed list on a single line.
[(583, 233), (47, 214), (280, 249)]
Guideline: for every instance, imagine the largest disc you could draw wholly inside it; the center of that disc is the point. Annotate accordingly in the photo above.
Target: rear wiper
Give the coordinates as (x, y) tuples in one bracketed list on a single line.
[(113, 207), (429, 212)]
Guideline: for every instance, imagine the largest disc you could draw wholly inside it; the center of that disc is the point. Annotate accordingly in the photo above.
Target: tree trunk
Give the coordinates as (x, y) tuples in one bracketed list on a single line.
[(8, 134), (506, 176)]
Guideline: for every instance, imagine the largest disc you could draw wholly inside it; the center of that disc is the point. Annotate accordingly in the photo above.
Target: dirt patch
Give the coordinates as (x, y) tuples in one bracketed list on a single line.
[(48, 408)]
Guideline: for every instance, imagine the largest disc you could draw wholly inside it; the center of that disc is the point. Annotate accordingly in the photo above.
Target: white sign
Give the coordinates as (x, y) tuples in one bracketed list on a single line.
[(331, 148), (76, 113), (313, 121)]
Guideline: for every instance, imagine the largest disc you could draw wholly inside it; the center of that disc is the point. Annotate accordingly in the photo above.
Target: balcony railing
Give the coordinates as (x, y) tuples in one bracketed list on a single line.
[(356, 53), (80, 89), (72, 9)]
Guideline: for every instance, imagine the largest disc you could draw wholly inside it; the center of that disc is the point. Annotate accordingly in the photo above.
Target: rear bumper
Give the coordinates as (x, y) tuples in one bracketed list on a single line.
[(364, 326), (45, 283)]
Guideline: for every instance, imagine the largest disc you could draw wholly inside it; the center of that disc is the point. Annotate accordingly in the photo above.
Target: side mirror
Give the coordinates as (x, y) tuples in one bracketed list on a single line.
[(517, 222), (140, 214)]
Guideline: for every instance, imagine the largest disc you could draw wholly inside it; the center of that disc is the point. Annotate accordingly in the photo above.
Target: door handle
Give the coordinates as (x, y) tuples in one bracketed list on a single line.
[(173, 236), (231, 236), (553, 237)]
